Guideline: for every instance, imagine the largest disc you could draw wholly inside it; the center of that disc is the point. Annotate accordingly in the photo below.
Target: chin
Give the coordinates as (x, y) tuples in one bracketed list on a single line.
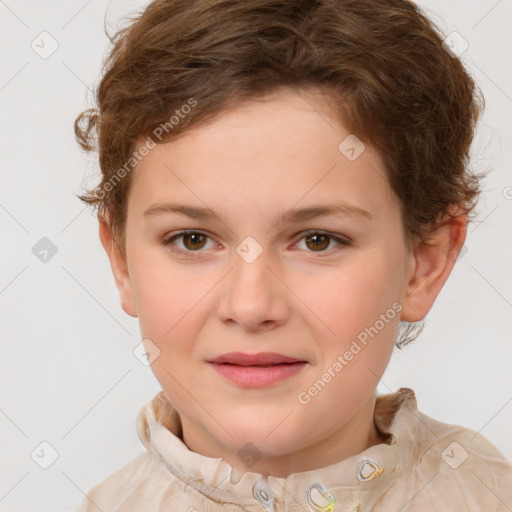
[(263, 438)]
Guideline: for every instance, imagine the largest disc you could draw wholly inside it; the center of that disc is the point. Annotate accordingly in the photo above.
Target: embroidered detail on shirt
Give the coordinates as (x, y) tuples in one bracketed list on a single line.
[(368, 469), (262, 491), (327, 503)]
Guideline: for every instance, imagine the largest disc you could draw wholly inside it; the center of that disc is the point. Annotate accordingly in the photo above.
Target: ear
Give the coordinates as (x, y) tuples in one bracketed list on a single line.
[(119, 268), (433, 262)]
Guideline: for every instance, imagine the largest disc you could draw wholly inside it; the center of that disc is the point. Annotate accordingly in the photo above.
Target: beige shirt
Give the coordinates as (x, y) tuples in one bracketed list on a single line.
[(425, 466)]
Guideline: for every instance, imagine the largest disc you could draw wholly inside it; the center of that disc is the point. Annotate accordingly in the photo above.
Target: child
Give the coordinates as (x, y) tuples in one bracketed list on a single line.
[(319, 149)]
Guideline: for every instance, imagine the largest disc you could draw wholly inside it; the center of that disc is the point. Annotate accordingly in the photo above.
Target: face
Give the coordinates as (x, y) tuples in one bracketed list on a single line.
[(291, 247)]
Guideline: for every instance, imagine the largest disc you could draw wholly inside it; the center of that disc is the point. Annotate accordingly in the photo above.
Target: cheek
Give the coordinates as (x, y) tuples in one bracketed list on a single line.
[(351, 298), (359, 316), (167, 298)]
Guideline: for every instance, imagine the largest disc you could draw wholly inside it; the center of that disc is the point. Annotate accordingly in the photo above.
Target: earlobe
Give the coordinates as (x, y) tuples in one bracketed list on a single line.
[(119, 268), (433, 262)]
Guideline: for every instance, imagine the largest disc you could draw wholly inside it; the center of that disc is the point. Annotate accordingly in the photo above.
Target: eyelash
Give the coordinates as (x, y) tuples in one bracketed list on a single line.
[(167, 242)]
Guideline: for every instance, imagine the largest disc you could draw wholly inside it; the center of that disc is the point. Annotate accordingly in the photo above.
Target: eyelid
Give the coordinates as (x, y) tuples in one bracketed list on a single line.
[(339, 236), (167, 241)]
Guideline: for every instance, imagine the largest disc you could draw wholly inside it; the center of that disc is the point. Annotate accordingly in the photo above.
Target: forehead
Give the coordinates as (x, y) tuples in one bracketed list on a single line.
[(285, 150)]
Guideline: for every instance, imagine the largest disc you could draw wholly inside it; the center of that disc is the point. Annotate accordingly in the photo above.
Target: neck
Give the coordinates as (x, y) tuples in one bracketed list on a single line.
[(352, 438)]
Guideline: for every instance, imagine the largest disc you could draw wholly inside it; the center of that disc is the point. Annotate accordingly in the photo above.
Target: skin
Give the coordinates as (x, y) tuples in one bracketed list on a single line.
[(251, 165)]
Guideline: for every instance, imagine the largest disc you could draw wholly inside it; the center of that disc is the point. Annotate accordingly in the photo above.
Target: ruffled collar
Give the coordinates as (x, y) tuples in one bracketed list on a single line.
[(159, 428)]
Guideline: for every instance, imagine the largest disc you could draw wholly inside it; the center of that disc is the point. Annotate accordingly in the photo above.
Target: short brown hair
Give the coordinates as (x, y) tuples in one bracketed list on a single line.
[(380, 65)]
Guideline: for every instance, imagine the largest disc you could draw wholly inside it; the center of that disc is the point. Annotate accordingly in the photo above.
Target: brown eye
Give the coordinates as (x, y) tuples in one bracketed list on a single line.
[(320, 242), (188, 243), (194, 241)]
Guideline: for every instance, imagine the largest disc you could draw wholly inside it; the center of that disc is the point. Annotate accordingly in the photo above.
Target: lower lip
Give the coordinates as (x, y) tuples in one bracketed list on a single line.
[(258, 376)]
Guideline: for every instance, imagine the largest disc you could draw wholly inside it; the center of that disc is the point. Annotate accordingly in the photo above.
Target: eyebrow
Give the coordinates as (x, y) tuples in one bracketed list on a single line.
[(292, 216)]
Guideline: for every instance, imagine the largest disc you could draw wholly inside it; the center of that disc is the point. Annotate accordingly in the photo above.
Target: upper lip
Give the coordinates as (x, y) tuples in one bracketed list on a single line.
[(242, 359)]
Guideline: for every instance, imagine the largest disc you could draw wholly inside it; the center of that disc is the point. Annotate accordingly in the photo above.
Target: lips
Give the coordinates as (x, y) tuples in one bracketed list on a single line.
[(256, 370), (262, 359)]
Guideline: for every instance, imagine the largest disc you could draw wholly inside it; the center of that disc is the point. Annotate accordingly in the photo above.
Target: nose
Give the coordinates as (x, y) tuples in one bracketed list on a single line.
[(253, 294)]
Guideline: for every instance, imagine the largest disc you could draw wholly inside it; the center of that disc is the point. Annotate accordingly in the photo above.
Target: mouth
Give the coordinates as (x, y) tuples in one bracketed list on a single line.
[(256, 370), (261, 359)]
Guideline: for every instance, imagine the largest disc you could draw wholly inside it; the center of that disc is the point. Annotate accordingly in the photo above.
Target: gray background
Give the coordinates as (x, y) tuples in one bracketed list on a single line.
[(68, 376)]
